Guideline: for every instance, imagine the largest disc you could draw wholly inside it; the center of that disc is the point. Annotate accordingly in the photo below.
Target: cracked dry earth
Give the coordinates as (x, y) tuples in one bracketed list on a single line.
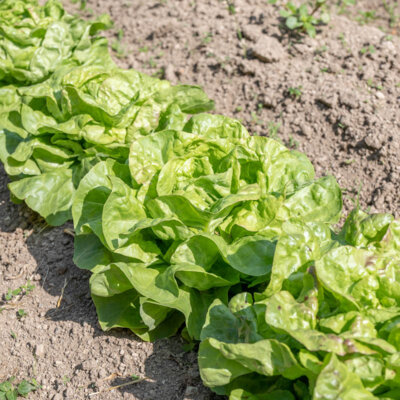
[(346, 119)]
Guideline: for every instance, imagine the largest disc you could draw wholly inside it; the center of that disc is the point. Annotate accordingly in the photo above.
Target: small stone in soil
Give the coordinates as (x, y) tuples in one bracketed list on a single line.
[(39, 350)]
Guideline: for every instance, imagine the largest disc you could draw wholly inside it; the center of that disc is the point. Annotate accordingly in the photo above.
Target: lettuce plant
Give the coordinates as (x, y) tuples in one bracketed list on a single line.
[(196, 214), (329, 332), (55, 131), (35, 40)]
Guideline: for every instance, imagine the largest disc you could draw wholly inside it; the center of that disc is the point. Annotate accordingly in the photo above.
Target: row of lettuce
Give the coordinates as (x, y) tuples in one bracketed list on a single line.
[(189, 224)]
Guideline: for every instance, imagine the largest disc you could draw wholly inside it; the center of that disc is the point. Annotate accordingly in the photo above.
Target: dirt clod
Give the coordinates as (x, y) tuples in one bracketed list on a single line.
[(268, 50)]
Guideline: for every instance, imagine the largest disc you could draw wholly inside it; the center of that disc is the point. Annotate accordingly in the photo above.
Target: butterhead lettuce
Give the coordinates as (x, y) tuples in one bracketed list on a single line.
[(189, 224)]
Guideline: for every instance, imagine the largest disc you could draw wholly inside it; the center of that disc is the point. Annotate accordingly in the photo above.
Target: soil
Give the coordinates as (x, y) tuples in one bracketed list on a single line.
[(335, 97)]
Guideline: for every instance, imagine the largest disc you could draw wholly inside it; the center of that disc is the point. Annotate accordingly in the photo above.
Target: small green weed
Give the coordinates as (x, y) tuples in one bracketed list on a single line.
[(231, 7), (117, 45), (152, 63), (391, 10), (11, 391), (321, 50), (293, 143), (342, 39), (373, 85), (344, 5), (365, 17), (21, 313), (368, 50), (22, 290), (207, 38), (295, 92), (344, 43), (273, 129), (299, 19), (256, 119)]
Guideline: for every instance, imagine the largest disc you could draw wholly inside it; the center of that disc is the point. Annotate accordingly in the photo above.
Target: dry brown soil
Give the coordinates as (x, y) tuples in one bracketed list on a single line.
[(345, 118)]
